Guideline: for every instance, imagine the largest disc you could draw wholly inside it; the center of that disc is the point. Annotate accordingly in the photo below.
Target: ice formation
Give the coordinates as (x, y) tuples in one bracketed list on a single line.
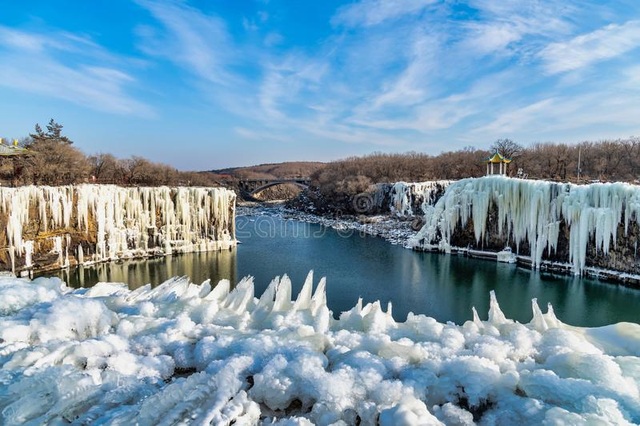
[(122, 222), (532, 211), (182, 353), (403, 194)]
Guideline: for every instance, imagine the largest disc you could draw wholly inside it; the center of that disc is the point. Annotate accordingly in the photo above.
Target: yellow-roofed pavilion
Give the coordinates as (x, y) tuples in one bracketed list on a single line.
[(502, 162)]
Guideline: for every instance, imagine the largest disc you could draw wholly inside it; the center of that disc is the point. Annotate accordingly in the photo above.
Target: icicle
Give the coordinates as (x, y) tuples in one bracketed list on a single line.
[(28, 253), (319, 299), (283, 295), (57, 248), (12, 255), (538, 322), (476, 319), (221, 290), (496, 317), (304, 297), (531, 211), (66, 250), (403, 194), (265, 304), (123, 218), (550, 318), (241, 296)]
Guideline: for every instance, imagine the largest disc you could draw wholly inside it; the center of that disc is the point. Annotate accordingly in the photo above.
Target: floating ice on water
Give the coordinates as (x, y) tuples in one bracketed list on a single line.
[(186, 353)]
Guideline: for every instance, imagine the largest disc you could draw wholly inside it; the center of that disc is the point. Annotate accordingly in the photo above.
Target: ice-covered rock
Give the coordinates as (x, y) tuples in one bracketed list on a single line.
[(534, 212), (409, 199), (102, 222)]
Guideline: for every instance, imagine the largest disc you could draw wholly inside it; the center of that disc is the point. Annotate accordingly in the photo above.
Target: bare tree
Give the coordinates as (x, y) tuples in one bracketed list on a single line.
[(53, 163), (507, 148), (631, 149), (53, 159), (104, 168)]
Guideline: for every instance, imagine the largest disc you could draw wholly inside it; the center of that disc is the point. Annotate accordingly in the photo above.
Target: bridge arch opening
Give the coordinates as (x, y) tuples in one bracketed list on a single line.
[(272, 184), (278, 191), (272, 189)]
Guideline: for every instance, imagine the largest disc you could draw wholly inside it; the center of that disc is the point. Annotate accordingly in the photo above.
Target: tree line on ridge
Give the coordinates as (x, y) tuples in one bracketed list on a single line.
[(53, 159), (606, 160)]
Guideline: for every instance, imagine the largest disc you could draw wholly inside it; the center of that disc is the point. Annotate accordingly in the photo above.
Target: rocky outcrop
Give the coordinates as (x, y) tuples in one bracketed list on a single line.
[(279, 192), (401, 199), (53, 227)]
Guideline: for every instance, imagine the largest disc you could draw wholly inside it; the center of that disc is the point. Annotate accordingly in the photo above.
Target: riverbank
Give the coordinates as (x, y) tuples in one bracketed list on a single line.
[(394, 230), (400, 231)]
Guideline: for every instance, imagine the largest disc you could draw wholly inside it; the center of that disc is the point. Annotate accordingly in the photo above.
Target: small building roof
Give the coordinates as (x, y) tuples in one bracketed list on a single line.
[(497, 158), (11, 150)]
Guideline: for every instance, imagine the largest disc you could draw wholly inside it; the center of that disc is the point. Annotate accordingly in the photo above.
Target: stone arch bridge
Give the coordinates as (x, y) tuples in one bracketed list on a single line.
[(253, 186)]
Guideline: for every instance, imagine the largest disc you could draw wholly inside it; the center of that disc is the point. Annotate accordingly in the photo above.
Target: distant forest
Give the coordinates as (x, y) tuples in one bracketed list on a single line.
[(607, 160), (54, 160)]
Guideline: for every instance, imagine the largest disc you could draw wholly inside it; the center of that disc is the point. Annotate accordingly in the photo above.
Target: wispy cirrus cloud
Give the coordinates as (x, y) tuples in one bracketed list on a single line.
[(66, 66), (392, 73), (604, 43), (189, 38), (372, 12), (610, 103)]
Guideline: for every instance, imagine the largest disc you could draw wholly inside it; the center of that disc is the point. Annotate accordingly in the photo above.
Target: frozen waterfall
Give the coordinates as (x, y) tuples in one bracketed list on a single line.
[(93, 223), (536, 212), (404, 197)]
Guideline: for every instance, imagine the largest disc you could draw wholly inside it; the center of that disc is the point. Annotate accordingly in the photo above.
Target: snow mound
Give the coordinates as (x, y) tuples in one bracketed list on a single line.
[(193, 354)]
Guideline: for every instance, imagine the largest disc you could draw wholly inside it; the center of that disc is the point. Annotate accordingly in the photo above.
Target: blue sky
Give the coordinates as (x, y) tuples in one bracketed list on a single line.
[(206, 84)]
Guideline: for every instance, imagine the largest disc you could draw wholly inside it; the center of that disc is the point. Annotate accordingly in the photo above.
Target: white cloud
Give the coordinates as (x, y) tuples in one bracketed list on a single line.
[(411, 85), (68, 67), (489, 38), (611, 108), (515, 27), (430, 74), (273, 39), (519, 119), (12, 39), (605, 43), (196, 42), (373, 12)]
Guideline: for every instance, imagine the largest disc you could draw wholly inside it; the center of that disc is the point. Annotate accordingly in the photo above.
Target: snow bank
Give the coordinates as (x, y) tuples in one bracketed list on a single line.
[(185, 353), (532, 211), (117, 222)]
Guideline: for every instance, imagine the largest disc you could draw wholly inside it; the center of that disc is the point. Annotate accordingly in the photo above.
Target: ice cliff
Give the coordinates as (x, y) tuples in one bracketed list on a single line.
[(409, 199), (584, 225), (93, 223)]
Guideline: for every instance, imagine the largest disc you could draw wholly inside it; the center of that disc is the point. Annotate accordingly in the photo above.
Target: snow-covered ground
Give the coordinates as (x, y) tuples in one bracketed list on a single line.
[(182, 353)]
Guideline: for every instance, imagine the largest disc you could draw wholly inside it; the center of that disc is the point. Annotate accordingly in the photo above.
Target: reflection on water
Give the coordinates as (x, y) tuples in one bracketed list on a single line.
[(445, 287), (197, 266)]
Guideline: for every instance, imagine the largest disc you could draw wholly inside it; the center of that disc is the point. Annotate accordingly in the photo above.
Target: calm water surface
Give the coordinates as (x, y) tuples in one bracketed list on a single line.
[(445, 287)]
